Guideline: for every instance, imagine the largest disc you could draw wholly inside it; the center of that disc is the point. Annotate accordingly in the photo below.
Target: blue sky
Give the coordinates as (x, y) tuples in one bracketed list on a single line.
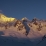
[(24, 8)]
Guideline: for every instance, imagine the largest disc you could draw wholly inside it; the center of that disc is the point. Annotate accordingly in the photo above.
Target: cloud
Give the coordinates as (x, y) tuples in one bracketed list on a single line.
[(0, 11)]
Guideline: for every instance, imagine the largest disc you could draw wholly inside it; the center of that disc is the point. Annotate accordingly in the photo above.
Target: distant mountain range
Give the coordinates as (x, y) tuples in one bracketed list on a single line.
[(33, 30)]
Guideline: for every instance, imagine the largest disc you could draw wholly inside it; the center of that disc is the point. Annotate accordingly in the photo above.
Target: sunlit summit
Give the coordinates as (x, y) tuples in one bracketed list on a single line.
[(5, 18)]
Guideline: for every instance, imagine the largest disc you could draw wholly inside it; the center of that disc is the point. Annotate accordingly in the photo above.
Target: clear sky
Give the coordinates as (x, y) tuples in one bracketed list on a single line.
[(24, 8)]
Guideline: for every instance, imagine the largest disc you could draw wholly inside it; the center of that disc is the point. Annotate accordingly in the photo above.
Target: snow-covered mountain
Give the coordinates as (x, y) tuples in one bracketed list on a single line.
[(32, 30), (4, 18)]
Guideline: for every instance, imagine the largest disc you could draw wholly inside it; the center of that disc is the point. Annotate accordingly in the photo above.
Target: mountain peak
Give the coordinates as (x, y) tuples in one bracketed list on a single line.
[(4, 18), (24, 18)]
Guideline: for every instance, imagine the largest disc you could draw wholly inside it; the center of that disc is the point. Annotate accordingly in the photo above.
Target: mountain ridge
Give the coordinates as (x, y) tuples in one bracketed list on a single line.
[(26, 28), (4, 18)]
